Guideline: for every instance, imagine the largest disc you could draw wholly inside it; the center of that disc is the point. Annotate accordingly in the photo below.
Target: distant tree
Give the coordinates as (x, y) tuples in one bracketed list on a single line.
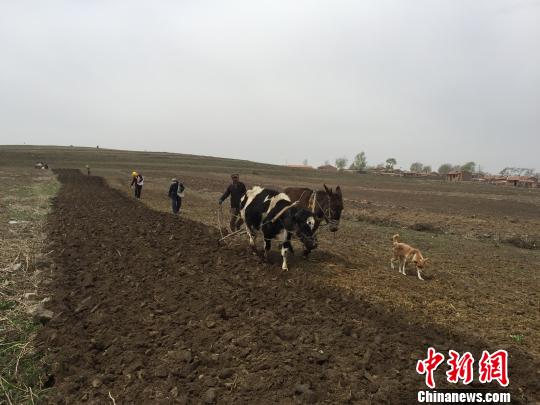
[(341, 163), (468, 167), (360, 162), (305, 162), (417, 167), (445, 168), (523, 171), (390, 163), (517, 171), (508, 171), (426, 169)]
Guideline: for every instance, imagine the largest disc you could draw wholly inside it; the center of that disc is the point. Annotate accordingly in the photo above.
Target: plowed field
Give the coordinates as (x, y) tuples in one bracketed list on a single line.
[(150, 310)]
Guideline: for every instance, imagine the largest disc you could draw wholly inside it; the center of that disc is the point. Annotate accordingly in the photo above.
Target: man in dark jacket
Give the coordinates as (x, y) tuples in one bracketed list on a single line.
[(176, 192), (236, 190)]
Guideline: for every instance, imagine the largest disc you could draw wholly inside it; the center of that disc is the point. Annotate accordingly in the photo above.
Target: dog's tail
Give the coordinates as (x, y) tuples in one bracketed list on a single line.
[(395, 238)]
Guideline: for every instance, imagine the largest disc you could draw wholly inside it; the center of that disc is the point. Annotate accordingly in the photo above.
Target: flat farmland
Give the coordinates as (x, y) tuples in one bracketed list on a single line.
[(151, 307)]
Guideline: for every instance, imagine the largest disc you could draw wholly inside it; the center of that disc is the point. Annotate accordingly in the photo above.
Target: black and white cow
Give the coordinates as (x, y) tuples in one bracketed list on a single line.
[(273, 213)]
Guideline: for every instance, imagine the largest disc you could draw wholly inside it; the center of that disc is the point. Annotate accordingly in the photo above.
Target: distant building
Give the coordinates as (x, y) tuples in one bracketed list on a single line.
[(328, 168), (496, 180), (414, 174), (513, 180), (459, 176), (308, 167), (522, 181), (380, 170), (356, 171)]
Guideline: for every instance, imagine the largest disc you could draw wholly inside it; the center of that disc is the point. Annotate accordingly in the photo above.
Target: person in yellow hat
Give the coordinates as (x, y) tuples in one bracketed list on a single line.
[(137, 182)]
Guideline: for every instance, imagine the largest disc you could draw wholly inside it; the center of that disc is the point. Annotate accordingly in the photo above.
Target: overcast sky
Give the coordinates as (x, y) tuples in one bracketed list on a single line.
[(277, 81)]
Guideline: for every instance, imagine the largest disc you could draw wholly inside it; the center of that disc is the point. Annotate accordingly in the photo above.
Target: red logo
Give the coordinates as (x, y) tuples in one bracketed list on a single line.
[(461, 368), (491, 367), (429, 365), (494, 367)]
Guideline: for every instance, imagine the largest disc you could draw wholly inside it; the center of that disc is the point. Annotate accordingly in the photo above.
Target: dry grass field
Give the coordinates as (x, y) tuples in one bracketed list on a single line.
[(480, 290), (24, 205)]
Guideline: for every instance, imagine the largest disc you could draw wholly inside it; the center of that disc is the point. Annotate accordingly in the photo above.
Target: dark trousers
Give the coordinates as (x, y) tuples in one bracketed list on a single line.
[(176, 204), (236, 219), (138, 190)]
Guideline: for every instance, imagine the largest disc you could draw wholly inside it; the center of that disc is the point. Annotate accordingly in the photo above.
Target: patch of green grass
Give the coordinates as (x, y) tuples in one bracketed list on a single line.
[(517, 338), (31, 203), (7, 304), (20, 213), (20, 371)]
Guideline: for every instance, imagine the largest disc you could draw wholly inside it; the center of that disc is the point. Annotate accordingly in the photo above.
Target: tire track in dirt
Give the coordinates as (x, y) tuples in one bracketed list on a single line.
[(150, 310)]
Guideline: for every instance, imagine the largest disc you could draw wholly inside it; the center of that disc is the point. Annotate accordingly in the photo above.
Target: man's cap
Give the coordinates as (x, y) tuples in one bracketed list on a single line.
[(235, 175), (174, 180), (134, 174)]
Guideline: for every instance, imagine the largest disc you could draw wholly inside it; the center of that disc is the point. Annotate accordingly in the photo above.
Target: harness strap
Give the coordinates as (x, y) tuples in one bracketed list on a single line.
[(326, 217), (302, 195), (312, 201), (280, 213)]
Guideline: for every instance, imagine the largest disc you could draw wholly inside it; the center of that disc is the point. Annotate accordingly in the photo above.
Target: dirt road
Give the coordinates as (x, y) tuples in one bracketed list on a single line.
[(150, 310)]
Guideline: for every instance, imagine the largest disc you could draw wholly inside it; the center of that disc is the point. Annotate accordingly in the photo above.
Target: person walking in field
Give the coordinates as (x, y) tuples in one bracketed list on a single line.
[(87, 170), (236, 191), (137, 182), (176, 192)]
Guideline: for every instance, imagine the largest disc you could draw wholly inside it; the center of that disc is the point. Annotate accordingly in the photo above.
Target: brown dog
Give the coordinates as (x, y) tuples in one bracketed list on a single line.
[(403, 253)]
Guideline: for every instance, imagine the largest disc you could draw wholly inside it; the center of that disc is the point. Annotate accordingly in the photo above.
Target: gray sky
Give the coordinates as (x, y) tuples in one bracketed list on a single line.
[(279, 80)]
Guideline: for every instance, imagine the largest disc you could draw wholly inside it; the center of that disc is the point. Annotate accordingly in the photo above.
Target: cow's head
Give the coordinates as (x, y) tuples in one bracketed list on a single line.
[(303, 222), (332, 205)]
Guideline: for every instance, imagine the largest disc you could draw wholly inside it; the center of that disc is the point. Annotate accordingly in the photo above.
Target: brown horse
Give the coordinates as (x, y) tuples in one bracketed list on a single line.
[(325, 204)]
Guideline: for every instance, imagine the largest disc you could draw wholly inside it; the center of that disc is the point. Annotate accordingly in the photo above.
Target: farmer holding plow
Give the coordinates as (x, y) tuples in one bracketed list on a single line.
[(236, 191)]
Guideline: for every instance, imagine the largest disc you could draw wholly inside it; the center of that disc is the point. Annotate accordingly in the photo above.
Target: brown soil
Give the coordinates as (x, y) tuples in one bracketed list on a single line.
[(150, 310), (476, 284)]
